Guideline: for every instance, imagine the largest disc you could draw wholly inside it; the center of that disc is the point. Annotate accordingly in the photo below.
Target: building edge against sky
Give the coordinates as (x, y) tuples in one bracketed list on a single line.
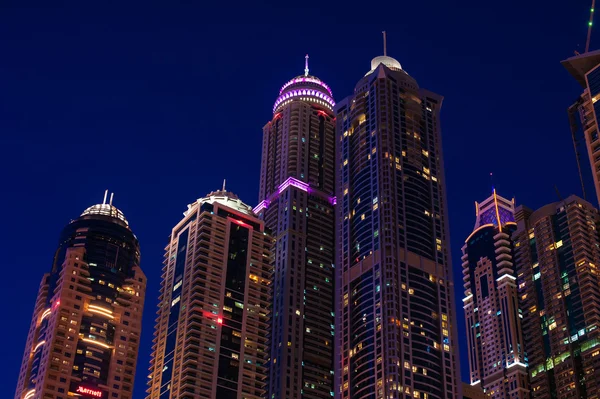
[(557, 253), (85, 330), (296, 202), (211, 333), (395, 310), (584, 113), (496, 352)]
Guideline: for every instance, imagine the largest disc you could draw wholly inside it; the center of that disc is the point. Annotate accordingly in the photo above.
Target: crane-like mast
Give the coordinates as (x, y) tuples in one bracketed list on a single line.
[(590, 23)]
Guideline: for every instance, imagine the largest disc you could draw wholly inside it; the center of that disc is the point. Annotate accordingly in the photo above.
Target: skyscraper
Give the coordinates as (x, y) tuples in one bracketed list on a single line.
[(211, 335), (497, 356), (395, 316), (557, 254), (85, 331), (584, 113), (297, 204)]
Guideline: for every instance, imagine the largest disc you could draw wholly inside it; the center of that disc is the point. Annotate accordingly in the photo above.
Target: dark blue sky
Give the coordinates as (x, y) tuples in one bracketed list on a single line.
[(159, 101)]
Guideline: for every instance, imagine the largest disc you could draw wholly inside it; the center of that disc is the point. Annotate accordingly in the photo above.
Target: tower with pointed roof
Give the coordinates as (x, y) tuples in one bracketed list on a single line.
[(297, 204), (85, 331), (395, 312), (495, 341)]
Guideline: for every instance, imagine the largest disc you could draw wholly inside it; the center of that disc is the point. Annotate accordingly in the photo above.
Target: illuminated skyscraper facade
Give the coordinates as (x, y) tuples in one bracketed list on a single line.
[(497, 358), (297, 204), (85, 331), (584, 113), (557, 253), (211, 335), (395, 316)]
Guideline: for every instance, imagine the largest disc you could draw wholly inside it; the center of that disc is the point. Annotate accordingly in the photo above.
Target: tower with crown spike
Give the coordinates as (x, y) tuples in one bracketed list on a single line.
[(297, 204), (395, 331)]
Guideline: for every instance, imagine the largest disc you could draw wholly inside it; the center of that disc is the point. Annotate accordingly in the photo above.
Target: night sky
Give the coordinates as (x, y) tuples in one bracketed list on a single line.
[(160, 101)]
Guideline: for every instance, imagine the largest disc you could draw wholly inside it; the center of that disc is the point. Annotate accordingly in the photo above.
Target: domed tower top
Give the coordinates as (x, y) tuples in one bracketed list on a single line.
[(389, 62), (224, 197), (106, 209), (305, 88)]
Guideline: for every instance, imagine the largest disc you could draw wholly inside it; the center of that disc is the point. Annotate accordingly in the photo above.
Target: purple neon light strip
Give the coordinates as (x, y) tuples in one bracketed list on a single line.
[(304, 92), (263, 205), (306, 80), (290, 181)]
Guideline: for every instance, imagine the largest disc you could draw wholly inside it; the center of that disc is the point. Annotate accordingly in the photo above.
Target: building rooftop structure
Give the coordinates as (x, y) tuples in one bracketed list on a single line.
[(224, 197), (106, 209), (579, 65), (306, 88)]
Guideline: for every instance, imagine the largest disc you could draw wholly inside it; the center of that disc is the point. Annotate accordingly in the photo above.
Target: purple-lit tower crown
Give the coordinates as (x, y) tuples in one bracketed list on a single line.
[(296, 201), (305, 88)]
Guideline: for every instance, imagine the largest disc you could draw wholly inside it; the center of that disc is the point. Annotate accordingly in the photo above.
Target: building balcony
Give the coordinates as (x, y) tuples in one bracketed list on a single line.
[(504, 257)]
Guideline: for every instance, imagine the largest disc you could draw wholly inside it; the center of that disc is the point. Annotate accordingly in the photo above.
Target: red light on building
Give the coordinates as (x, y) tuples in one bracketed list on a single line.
[(90, 392), (56, 304), (220, 320), (239, 222)]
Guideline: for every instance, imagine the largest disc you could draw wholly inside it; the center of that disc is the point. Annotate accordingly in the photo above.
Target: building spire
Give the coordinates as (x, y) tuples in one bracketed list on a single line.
[(224, 180), (590, 23), (306, 65), (105, 194), (384, 44)]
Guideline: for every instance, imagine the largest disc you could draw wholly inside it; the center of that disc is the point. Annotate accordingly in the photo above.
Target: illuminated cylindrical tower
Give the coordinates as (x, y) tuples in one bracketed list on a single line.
[(297, 205), (85, 332)]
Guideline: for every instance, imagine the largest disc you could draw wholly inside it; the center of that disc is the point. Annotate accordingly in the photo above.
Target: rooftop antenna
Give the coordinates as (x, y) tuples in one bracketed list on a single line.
[(385, 43), (105, 194), (111, 198), (590, 23), (224, 180), (306, 65), (558, 193), (492, 181)]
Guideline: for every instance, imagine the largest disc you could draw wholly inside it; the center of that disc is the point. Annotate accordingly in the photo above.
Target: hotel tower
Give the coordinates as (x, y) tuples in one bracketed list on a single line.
[(395, 332), (211, 335), (497, 358), (297, 204), (557, 256), (85, 331)]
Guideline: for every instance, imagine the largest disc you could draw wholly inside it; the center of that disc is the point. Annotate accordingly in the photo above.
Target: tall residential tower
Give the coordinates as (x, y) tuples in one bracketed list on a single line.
[(211, 336), (557, 256), (395, 332), (497, 358), (584, 113), (84, 335), (297, 204)]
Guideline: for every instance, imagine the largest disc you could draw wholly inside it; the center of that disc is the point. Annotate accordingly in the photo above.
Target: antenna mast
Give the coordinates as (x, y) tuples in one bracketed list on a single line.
[(385, 42), (590, 23), (306, 65)]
